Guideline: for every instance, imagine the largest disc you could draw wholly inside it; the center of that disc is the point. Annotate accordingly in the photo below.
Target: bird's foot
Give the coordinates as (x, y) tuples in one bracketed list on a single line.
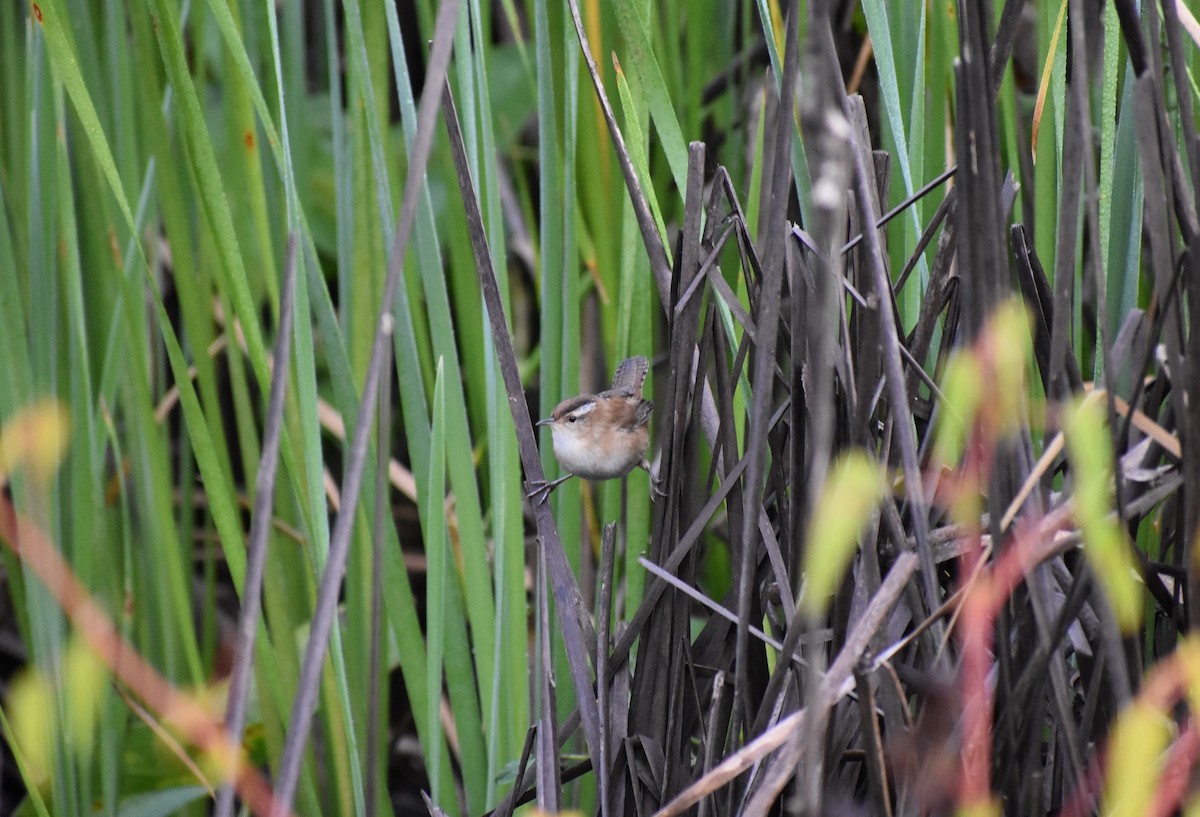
[(540, 489), (656, 484), (656, 489)]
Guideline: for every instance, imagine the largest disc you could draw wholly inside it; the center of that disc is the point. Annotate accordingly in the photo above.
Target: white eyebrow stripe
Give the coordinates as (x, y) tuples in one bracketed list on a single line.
[(586, 408)]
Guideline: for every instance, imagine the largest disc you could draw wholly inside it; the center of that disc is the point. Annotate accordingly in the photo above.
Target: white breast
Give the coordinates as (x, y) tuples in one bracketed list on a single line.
[(577, 457)]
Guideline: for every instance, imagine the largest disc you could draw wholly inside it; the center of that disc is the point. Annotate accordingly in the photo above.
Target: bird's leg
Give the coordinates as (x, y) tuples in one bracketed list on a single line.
[(655, 483), (540, 489)]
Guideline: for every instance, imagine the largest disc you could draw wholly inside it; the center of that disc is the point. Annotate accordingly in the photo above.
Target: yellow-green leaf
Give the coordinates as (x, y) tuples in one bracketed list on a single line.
[(854, 487), (85, 678), (963, 387), (1008, 335), (30, 708), (1090, 452), (1134, 751), (36, 438), (986, 808)]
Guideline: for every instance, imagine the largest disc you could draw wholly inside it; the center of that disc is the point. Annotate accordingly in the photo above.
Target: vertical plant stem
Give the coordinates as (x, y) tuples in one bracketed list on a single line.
[(304, 705), (260, 525)]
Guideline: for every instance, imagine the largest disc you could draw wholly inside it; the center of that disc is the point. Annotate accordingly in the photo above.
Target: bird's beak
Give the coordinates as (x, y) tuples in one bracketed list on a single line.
[(546, 422)]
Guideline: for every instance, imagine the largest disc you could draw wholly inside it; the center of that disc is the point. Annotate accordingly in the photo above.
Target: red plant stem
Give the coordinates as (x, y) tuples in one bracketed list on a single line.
[(976, 637), (976, 630), (1176, 775), (37, 551), (982, 602), (1161, 689), (1083, 799), (981, 605)]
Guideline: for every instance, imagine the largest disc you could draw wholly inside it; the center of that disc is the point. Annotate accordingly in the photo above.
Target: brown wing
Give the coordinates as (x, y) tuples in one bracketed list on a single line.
[(630, 375), (643, 413)]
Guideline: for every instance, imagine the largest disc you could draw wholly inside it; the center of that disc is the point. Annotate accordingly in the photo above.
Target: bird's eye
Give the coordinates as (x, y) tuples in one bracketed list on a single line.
[(571, 418)]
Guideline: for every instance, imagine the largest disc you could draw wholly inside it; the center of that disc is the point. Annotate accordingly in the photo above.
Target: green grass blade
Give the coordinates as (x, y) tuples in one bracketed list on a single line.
[(650, 77)]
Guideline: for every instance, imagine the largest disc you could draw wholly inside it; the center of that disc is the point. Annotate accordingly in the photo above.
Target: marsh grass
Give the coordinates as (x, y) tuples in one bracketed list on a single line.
[(297, 277)]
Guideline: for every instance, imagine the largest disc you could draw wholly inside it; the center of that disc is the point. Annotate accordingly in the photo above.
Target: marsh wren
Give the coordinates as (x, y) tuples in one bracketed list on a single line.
[(601, 436)]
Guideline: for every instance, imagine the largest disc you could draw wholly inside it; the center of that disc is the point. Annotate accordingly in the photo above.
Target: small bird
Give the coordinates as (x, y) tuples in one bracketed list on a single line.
[(601, 436)]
